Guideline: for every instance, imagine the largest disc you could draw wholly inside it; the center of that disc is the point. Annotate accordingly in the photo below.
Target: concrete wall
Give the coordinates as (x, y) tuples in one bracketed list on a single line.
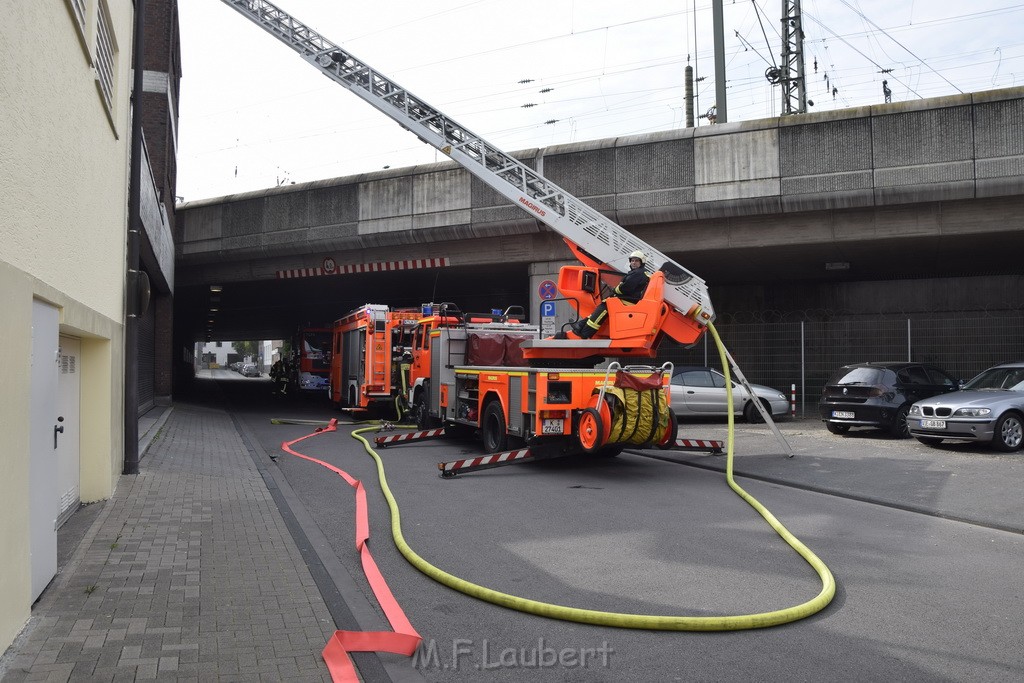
[(63, 217), (910, 191), (965, 147)]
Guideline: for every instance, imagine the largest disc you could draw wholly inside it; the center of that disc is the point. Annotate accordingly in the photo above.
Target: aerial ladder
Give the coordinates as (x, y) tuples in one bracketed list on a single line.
[(595, 239), (676, 305)]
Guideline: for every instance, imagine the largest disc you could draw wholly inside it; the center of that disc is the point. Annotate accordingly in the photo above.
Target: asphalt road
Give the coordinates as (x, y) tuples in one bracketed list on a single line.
[(925, 545)]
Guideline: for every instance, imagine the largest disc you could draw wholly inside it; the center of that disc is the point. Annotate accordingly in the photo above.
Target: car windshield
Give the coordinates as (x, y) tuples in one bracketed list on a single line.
[(858, 376), (1011, 379)]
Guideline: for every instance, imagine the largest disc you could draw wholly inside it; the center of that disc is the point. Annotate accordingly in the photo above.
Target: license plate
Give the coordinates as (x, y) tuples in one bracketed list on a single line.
[(843, 414), (551, 427), (933, 424)]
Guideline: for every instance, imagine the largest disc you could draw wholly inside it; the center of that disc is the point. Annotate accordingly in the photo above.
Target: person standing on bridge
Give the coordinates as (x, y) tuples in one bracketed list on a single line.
[(630, 290)]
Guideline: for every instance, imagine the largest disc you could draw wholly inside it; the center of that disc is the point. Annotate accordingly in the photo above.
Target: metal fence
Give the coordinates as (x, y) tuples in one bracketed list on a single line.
[(783, 353)]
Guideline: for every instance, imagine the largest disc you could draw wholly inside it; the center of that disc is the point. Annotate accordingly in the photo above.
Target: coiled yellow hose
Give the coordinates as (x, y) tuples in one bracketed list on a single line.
[(619, 620)]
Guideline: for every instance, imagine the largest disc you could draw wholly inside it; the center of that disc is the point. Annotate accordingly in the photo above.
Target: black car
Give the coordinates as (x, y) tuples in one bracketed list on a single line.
[(879, 395)]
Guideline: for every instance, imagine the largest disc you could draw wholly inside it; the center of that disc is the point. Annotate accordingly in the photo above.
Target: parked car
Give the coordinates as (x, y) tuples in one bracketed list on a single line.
[(879, 395), (989, 408), (250, 370), (698, 391), (237, 366)]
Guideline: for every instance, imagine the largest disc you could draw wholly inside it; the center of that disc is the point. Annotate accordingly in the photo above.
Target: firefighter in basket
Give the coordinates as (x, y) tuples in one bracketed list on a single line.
[(631, 289)]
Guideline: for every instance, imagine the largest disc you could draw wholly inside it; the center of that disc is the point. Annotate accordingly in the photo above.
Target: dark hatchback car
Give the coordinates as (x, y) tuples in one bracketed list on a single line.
[(879, 395)]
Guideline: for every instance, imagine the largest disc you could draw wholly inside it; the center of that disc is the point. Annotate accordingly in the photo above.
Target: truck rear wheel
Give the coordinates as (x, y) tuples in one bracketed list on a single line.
[(419, 407), (492, 428)]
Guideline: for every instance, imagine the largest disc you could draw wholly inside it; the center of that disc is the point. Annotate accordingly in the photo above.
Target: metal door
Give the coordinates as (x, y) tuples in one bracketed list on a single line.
[(69, 388), (45, 426)]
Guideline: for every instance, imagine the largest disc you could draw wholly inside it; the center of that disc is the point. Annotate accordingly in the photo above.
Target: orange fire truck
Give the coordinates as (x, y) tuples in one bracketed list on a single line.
[(498, 378), (368, 348)]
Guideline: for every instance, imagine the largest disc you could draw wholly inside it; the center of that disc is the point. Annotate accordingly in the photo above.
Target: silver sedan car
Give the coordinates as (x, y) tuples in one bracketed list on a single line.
[(989, 408), (699, 391)]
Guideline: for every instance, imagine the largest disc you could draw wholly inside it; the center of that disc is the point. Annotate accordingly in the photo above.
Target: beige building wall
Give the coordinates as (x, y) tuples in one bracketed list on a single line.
[(63, 215)]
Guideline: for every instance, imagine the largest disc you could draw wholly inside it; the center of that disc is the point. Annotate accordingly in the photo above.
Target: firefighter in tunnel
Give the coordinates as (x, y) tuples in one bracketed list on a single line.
[(630, 289), (279, 378)]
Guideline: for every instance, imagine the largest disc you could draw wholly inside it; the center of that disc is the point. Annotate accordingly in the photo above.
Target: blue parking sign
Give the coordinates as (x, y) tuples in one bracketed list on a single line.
[(547, 309)]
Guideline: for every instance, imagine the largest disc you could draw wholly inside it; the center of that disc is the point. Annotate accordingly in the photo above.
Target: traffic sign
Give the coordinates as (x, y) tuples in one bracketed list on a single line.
[(547, 309), (547, 290)]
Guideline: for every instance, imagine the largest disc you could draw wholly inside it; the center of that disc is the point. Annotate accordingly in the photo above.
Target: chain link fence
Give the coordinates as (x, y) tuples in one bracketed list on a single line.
[(804, 353)]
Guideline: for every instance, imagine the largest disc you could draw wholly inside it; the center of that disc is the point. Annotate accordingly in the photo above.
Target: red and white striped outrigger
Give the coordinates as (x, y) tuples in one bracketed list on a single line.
[(450, 469), (385, 441), (709, 445), (484, 462)]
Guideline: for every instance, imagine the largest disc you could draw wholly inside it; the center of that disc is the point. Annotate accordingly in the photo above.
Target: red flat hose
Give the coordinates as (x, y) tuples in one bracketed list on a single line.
[(403, 639)]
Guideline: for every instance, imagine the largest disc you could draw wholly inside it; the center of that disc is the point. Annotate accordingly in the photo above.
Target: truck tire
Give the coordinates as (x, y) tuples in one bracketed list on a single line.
[(335, 405), (492, 428), (419, 407)]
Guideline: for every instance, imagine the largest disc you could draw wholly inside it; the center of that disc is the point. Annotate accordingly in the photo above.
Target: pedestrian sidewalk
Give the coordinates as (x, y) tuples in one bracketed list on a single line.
[(187, 573)]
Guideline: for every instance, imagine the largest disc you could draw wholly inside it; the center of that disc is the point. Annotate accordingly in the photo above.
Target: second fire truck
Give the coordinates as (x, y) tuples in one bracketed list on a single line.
[(367, 352)]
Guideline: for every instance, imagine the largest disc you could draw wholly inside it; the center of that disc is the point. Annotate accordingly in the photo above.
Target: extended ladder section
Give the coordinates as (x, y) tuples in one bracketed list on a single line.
[(547, 202)]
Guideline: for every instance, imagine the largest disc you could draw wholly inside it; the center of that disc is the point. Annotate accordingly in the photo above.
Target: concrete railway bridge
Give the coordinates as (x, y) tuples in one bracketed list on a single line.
[(861, 220)]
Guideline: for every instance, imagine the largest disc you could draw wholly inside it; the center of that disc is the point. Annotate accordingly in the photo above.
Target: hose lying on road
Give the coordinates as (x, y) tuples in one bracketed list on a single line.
[(638, 621)]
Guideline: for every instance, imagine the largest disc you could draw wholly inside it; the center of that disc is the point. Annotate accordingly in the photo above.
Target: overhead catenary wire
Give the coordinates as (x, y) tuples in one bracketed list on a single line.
[(842, 37), (613, 76), (908, 50)]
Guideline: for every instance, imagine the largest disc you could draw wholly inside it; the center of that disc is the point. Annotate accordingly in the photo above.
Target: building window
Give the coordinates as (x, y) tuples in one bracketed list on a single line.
[(106, 56), (79, 11)]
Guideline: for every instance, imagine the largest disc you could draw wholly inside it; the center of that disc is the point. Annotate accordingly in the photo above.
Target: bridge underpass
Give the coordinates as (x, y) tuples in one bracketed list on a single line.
[(777, 256), (274, 309)]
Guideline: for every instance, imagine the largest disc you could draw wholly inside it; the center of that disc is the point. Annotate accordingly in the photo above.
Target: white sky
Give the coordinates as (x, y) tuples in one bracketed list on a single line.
[(254, 115)]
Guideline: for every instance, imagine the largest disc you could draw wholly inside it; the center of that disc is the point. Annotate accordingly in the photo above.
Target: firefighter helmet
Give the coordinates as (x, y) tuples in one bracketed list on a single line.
[(638, 254)]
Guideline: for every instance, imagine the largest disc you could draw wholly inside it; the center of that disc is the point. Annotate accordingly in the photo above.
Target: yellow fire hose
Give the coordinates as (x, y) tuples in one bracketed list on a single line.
[(638, 621)]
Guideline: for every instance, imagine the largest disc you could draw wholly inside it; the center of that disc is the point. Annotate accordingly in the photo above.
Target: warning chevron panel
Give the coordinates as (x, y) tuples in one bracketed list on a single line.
[(376, 267)]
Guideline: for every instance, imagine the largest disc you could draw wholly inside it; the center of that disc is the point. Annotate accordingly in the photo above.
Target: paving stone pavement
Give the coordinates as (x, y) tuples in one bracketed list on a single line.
[(187, 573)]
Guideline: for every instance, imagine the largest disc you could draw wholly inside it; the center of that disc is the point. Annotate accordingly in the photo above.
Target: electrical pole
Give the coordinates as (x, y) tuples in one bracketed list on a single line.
[(720, 108), (794, 96), (689, 96)]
